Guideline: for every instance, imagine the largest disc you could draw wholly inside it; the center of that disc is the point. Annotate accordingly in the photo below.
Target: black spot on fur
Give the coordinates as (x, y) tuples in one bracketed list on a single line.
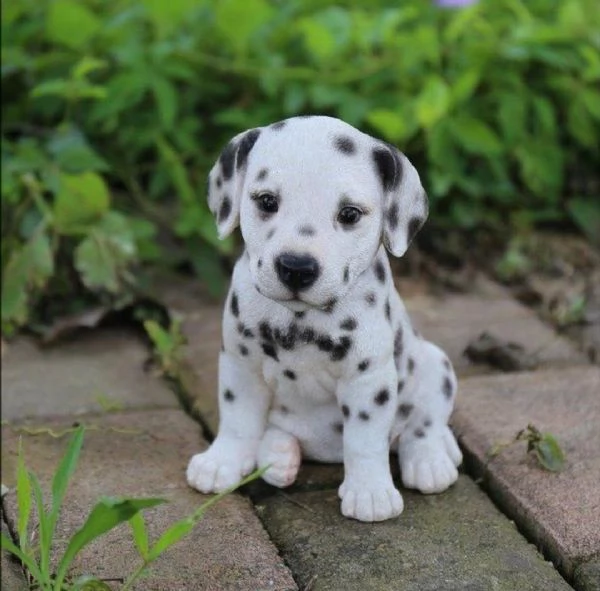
[(229, 395), (446, 363), (262, 174), (248, 333), (338, 427), (387, 310), (411, 365), (405, 409), (392, 216), (330, 305), (363, 415), (259, 263), (414, 225), (363, 365), (447, 388), (243, 350), (279, 125), (382, 396), (225, 209), (227, 160), (246, 144), (427, 422), (340, 350), (270, 233), (379, 271), (324, 343), (346, 274), (270, 351), (308, 335), (345, 145), (288, 373), (219, 182), (265, 331), (306, 231), (345, 410), (389, 167), (420, 433), (283, 409), (299, 314), (398, 344), (400, 386), (371, 298), (234, 305), (349, 323)]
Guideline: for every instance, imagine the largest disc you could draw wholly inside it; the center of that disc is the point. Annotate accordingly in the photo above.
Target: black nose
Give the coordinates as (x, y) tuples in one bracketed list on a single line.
[(297, 271)]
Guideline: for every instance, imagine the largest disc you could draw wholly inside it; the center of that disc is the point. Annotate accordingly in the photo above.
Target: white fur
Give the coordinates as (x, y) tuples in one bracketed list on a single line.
[(296, 366)]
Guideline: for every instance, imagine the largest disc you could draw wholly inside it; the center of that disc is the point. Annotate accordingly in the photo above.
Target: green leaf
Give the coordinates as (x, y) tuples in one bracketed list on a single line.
[(71, 23), (318, 39), (86, 65), (73, 153), (168, 15), (82, 200), (166, 100), (512, 117), (585, 212), (106, 515), (89, 583), (238, 20), (541, 167), (474, 135), (389, 124), (103, 257), (464, 86), (28, 268), (549, 453), (45, 535), (433, 102), (25, 558), (140, 535), (63, 475), (23, 499)]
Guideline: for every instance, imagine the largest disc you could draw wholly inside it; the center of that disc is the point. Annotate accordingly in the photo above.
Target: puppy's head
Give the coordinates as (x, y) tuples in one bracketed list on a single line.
[(314, 198)]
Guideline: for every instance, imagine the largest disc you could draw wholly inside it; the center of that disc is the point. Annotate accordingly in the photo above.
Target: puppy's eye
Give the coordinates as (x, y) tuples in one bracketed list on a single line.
[(349, 215), (266, 202)]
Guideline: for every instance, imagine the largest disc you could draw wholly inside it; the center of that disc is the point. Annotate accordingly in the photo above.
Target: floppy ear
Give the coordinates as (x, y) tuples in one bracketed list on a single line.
[(226, 179), (405, 204)]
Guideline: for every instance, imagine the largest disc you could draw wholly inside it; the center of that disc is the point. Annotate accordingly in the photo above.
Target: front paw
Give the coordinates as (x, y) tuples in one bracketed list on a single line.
[(367, 502), (214, 471)]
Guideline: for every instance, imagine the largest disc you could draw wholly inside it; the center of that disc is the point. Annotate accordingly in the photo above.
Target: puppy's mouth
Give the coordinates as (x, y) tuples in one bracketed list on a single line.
[(296, 302)]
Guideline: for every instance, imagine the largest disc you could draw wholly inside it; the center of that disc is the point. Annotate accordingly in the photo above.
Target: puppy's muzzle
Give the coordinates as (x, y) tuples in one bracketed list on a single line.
[(297, 271)]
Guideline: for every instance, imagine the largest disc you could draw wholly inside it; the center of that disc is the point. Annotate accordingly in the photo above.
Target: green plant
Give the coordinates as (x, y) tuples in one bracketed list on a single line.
[(113, 113), (107, 514), (544, 447), (167, 344)]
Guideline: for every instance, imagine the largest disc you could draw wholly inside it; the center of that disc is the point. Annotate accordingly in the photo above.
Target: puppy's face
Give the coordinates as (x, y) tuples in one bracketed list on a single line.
[(314, 198)]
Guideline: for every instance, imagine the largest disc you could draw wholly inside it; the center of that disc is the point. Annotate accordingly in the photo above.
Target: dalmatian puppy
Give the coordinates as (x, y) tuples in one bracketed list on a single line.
[(319, 358)]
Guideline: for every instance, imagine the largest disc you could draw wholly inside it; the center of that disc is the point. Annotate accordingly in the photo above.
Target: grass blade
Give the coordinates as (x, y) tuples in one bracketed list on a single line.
[(63, 474), (45, 536), (25, 558), (140, 535), (107, 514), (23, 499)]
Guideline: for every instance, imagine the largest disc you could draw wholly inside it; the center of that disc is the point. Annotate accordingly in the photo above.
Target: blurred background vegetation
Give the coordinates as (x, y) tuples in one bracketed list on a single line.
[(113, 112)]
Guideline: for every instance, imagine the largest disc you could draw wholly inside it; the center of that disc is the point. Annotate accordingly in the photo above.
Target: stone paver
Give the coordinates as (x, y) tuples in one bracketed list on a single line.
[(100, 368), (561, 512), (144, 453), (587, 576), (454, 320), (457, 540)]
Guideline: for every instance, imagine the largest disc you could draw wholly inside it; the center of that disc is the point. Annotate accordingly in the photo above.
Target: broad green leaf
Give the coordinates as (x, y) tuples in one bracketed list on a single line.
[(161, 339), (512, 117), (168, 15), (82, 200), (176, 169), (207, 266), (56, 87), (433, 102), (549, 453), (389, 124), (28, 268), (86, 65), (23, 499), (103, 257), (73, 153), (585, 212), (464, 86), (71, 23), (319, 40), (541, 167), (166, 100), (63, 474), (474, 135), (106, 515), (238, 20), (140, 535), (580, 123), (591, 99)]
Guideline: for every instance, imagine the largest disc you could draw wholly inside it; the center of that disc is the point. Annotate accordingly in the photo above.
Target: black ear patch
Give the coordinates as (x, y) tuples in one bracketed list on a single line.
[(414, 225), (389, 167), (246, 144), (227, 160), (225, 209)]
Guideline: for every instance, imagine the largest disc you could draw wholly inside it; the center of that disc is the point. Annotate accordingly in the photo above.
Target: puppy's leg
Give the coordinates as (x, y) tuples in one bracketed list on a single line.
[(243, 404), (281, 452), (368, 404), (427, 450)]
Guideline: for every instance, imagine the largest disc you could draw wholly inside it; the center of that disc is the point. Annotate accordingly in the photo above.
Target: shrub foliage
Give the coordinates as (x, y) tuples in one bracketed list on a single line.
[(113, 112)]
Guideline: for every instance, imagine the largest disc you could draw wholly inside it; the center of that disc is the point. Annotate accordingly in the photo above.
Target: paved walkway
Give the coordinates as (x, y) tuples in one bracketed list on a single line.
[(472, 537)]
